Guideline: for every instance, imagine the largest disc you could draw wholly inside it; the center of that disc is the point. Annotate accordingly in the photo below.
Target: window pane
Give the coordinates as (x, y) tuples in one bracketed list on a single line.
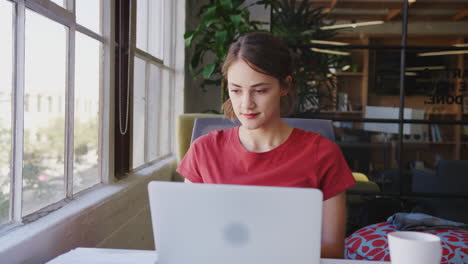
[(438, 165), (45, 72), (87, 87), (164, 121), (154, 94), (88, 14), (436, 81), (150, 27), (370, 150), (6, 53), (139, 113), (156, 23), (59, 2), (142, 25)]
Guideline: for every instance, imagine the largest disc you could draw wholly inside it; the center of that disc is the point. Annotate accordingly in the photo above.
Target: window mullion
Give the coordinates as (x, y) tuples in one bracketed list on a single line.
[(90, 33), (69, 116), (172, 112), (158, 107), (18, 115), (106, 135), (52, 11), (147, 110), (148, 26), (70, 6)]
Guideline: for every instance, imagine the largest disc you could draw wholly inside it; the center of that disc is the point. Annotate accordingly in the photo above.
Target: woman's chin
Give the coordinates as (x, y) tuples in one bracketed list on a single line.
[(251, 124)]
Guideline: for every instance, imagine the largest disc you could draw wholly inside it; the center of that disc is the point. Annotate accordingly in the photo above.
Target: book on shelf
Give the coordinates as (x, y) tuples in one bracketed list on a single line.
[(435, 133), (465, 104)]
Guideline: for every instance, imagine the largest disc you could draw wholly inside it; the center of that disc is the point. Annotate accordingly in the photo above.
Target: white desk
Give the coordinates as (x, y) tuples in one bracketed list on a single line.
[(125, 256)]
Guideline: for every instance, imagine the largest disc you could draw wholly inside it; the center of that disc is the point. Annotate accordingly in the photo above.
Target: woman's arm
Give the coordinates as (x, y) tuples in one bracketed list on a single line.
[(187, 181), (334, 226)]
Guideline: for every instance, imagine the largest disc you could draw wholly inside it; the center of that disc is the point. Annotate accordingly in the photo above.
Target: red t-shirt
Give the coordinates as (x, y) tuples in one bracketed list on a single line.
[(305, 159)]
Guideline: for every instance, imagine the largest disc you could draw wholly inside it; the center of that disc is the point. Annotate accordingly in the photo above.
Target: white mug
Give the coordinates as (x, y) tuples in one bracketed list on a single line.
[(407, 247)]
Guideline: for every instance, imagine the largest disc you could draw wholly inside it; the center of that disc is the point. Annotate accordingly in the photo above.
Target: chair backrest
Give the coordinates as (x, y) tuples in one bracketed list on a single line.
[(206, 125), (184, 130)]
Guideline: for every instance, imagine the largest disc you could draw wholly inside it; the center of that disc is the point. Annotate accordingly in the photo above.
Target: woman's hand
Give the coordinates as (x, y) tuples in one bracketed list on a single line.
[(334, 226)]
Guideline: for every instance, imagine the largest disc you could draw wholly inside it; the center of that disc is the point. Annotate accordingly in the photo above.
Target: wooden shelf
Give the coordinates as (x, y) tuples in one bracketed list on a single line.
[(437, 113), (341, 112), (435, 143), (355, 74)]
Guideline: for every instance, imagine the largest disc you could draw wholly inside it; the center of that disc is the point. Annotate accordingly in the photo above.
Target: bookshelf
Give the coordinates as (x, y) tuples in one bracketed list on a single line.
[(358, 85)]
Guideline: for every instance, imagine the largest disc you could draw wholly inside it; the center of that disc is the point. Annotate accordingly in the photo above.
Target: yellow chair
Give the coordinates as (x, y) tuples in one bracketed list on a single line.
[(184, 131), (360, 177)]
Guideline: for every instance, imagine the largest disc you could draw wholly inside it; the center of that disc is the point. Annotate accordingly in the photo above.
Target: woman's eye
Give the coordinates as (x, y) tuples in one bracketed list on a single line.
[(260, 91), (234, 91)]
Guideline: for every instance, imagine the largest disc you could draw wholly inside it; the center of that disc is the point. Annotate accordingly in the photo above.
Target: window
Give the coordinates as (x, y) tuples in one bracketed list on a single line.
[(26, 103), (6, 74), (58, 62), (153, 82), (86, 126), (43, 160)]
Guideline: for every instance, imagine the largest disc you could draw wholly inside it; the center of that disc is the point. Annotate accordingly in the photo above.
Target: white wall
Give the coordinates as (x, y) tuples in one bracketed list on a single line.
[(110, 216)]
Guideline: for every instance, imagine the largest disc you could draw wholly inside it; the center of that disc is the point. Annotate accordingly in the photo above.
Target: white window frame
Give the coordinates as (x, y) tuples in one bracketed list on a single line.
[(166, 63), (66, 17)]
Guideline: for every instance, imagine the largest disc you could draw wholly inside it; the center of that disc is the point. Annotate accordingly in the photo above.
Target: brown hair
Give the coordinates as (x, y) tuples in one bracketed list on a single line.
[(266, 54)]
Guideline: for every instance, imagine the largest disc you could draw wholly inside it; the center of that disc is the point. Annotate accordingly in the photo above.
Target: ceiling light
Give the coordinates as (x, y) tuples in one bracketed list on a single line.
[(354, 25), (326, 42), (334, 52), (346, 67), (461, 45), (411, 74), (441, 53)]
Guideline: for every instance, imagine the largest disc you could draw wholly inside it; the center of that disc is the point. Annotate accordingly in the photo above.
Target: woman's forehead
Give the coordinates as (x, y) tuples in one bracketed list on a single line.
[(242, 74)]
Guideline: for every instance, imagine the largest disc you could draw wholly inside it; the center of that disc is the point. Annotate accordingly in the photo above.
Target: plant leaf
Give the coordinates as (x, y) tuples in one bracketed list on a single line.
[(220, 37), (208, 70), (236, 19), (227, 3), (188, 36)]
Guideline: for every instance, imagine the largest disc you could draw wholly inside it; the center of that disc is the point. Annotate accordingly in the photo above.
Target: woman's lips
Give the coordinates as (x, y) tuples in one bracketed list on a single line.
[(251, 116)]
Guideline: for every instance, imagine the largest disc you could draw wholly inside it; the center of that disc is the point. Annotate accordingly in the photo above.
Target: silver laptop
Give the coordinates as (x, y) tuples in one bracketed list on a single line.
[(213, 224)]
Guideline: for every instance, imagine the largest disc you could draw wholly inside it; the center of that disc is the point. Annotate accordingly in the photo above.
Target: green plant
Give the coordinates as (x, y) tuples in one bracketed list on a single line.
[(221, 23), (297, 23)]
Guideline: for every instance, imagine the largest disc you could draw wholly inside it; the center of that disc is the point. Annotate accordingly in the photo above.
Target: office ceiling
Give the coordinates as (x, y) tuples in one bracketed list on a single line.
[(388, 10)]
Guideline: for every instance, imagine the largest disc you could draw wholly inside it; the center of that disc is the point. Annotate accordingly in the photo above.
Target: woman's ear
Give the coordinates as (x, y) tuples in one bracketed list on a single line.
[(285, 90)]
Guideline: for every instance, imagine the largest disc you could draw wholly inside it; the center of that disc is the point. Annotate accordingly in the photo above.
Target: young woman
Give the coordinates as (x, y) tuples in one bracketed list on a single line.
[(264, 150)]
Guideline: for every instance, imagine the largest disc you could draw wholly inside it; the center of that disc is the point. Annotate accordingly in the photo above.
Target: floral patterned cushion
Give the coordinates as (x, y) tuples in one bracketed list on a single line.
[(370, 243)]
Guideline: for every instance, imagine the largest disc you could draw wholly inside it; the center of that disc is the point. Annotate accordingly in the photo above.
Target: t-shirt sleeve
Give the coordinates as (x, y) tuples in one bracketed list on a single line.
[(189, 166), (333, 171)]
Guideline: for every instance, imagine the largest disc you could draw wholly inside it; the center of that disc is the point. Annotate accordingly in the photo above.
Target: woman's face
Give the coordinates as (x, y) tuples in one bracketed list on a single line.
[(255, 96)]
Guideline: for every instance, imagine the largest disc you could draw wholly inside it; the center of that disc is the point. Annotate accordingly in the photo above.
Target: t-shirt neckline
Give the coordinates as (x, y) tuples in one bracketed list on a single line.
[(238, 145)]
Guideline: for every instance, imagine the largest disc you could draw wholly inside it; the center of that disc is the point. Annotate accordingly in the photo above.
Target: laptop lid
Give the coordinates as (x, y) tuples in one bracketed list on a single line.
[(212, 224)]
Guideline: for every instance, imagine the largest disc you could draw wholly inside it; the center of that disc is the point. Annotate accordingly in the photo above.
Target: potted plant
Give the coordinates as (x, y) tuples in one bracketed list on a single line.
[(297, 23), (221, 23)]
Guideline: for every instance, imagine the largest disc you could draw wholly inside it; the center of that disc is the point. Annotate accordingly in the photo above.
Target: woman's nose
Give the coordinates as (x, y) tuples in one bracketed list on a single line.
[(247, 101)]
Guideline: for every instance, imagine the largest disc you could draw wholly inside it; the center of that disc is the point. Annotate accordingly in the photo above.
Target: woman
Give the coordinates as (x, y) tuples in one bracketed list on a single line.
[(264, 150)]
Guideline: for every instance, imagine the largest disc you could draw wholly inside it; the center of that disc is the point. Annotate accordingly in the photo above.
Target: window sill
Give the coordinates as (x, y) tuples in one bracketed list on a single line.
[(88, 220)]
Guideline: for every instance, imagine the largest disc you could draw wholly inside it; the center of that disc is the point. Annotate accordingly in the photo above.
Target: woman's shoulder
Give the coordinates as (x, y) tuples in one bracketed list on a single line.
[(216, 137), (315, 140)]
